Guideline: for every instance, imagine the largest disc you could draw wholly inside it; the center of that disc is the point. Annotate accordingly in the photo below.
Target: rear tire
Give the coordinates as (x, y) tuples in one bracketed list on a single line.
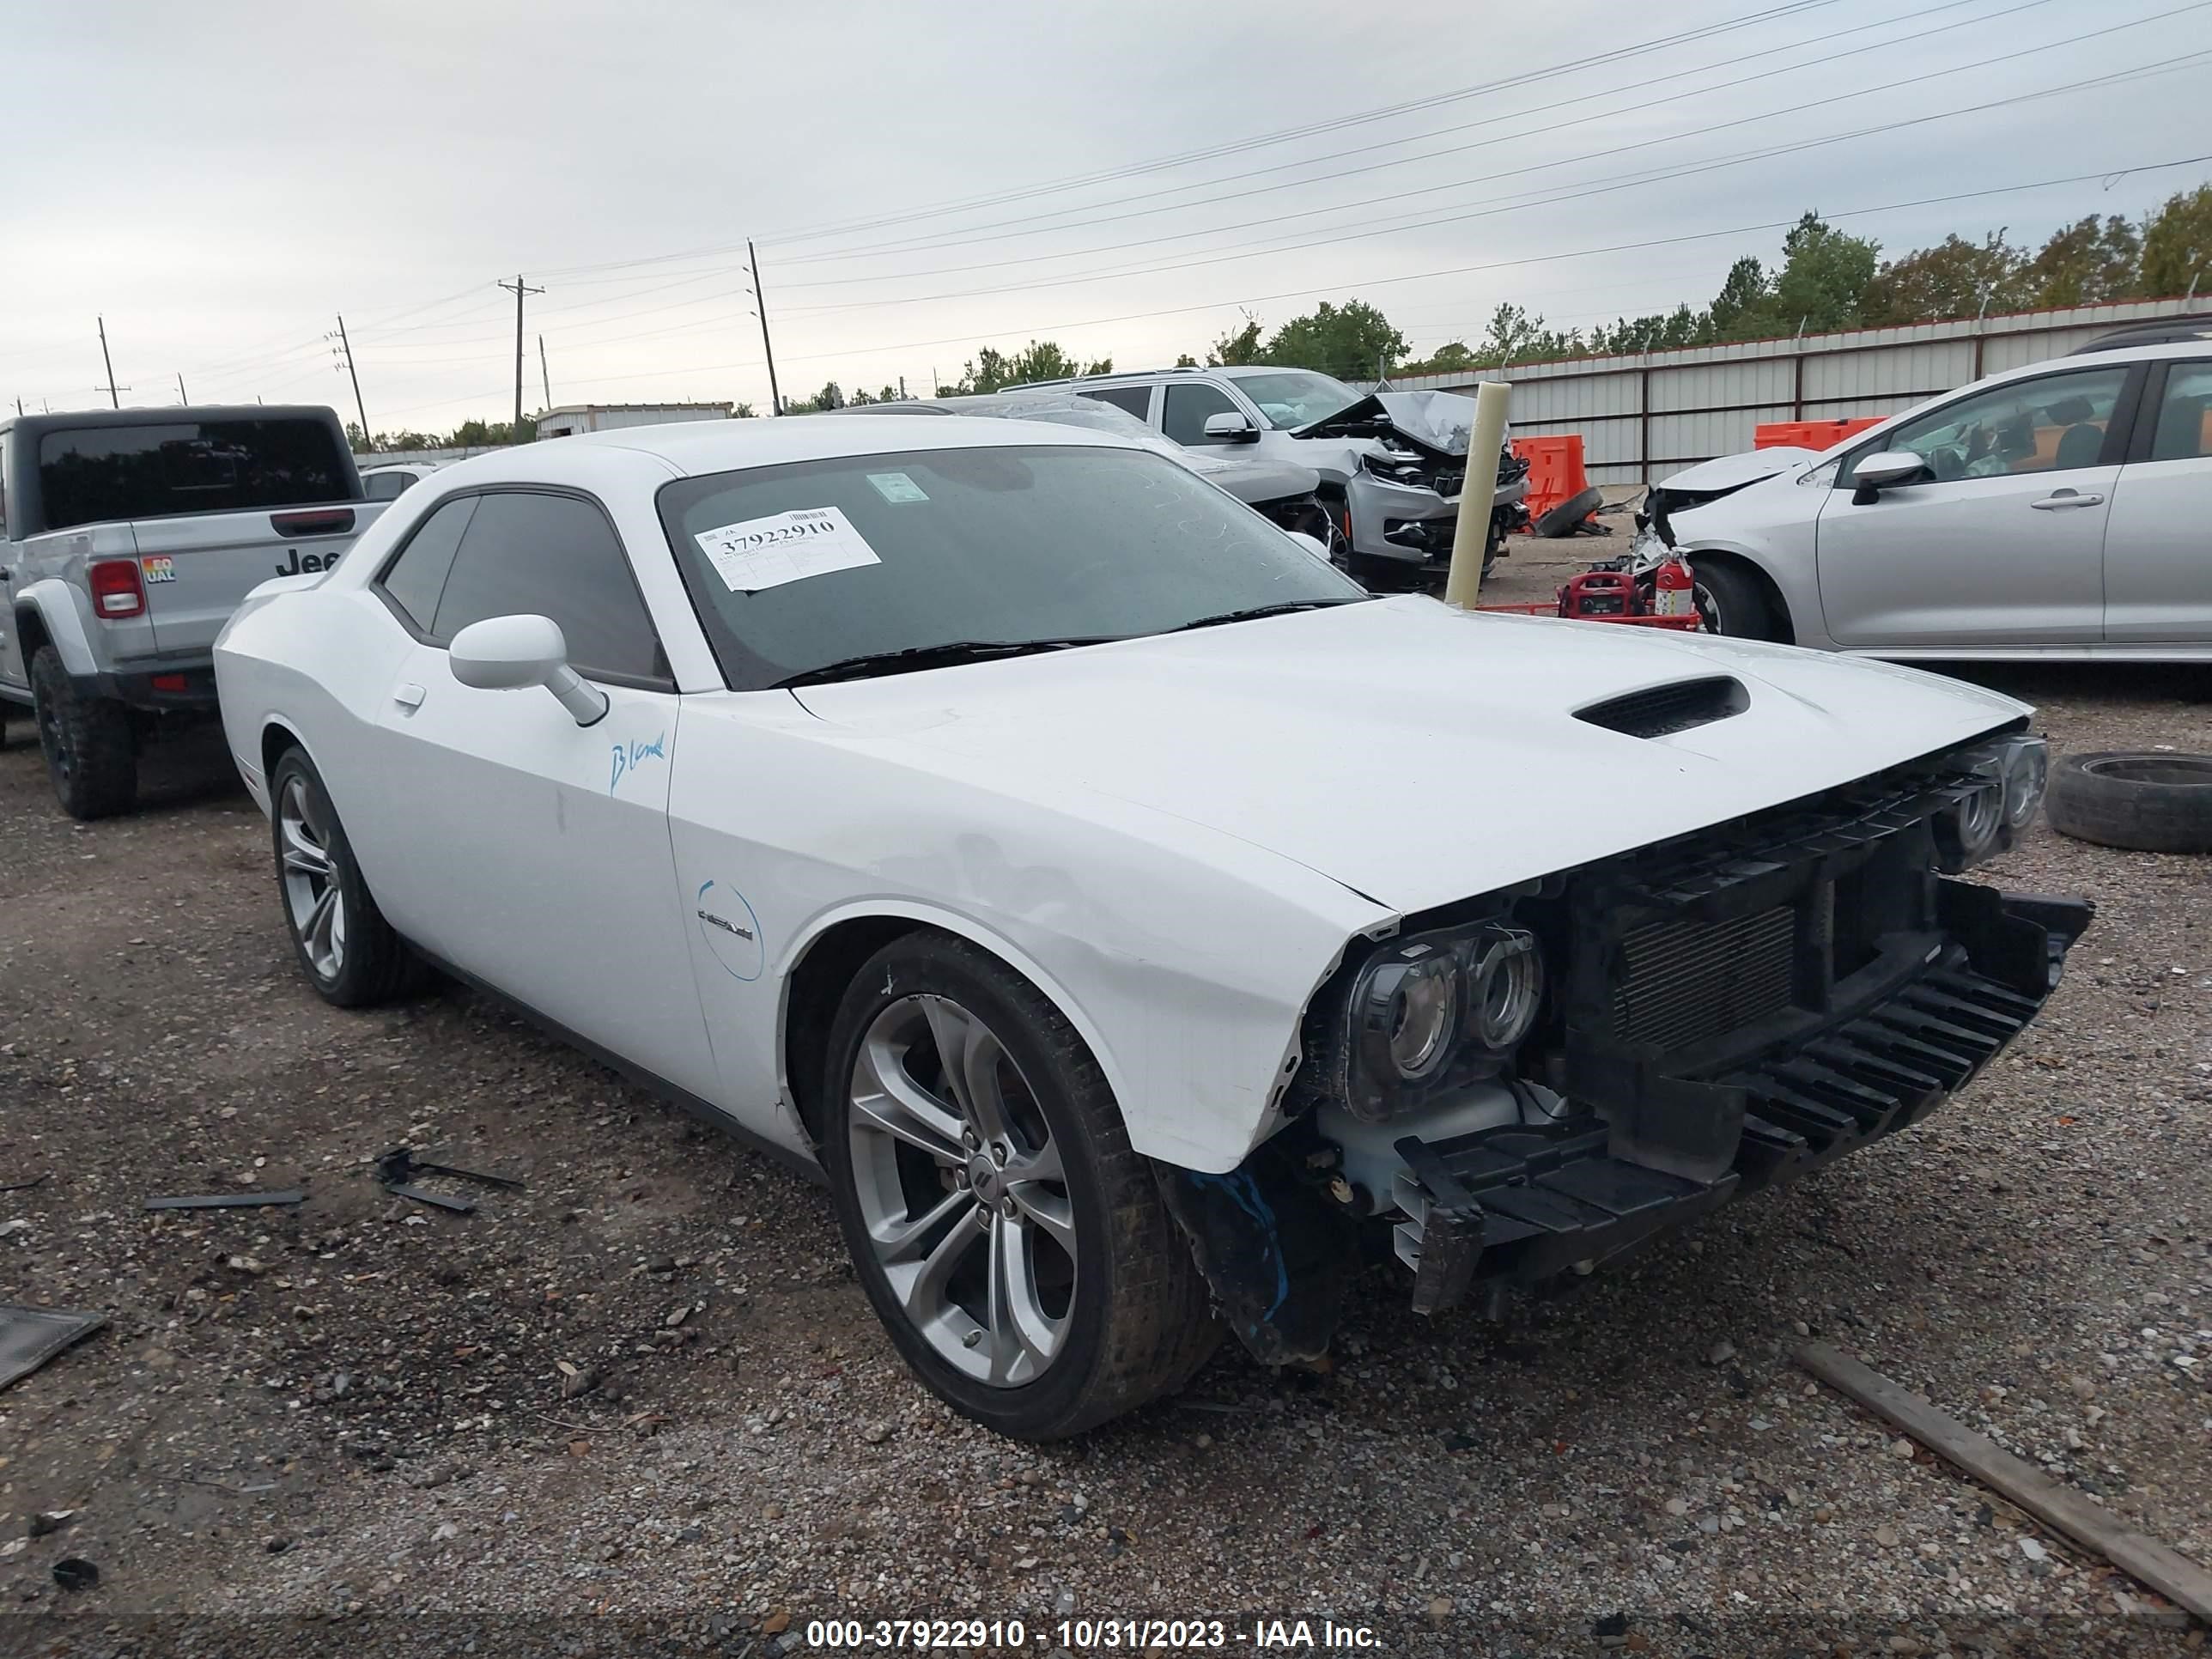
[(1567, 517), (91, 754), (1733, 602), (349, 953), (1015, 1248)]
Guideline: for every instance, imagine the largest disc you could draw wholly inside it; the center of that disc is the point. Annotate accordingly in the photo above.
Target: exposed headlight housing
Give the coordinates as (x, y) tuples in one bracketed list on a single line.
[(1435, 1011), (2009, 776)]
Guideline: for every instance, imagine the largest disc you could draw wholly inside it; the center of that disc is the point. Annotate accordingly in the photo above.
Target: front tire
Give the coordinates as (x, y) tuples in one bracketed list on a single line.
[(350, 954), (91, 754), (1731, 601), (1015, 1246)]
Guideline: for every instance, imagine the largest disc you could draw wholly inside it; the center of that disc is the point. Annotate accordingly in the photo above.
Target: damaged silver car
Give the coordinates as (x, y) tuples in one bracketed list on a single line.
[(1391, 463)]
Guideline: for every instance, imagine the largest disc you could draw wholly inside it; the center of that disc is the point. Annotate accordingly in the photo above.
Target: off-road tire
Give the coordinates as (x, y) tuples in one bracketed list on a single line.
[(2149, 803), (377, 965), (1566, 518), (91, 755), (1733, 603), (1141, 1324)]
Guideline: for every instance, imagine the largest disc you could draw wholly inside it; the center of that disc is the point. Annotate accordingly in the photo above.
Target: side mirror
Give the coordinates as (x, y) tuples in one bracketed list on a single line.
[(1230, 426), (504, 653), (1885, 470), (1313, 544)]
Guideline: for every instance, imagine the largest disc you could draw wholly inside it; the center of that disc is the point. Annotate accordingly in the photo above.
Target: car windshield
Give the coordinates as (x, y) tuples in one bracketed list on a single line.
[(798, 567), (1295, 396)]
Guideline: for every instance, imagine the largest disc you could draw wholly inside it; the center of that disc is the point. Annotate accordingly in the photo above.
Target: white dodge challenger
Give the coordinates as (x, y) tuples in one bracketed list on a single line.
[(1138, 925)]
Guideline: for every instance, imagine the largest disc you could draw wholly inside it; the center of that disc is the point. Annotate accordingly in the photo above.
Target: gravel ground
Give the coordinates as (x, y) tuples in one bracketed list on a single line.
[(643, 1406)]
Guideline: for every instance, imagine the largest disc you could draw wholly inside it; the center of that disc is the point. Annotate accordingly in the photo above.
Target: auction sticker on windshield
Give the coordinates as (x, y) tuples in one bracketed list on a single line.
[(786, 547)]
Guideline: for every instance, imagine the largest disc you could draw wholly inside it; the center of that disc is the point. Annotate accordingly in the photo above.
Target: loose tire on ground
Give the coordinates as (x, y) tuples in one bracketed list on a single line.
[(1135, 1323), (2146, 802), (1565, 518), (91, 754), (371, 963), (1732, 601)]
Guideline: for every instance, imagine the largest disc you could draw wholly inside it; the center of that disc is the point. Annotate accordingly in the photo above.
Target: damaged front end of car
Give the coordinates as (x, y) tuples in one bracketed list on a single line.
[(1532, 1083), (1402, 496)]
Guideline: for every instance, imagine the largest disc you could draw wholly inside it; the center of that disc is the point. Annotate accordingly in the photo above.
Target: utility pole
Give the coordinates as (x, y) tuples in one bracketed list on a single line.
[(182, 397), (520, 288), (359, 408), (775, 398), (545, 374), (110, 363)]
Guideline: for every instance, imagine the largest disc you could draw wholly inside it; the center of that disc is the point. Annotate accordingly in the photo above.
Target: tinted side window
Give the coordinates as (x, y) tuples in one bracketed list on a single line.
[(2051, 423), (98, 473), (2184, 430), (1189, 408), (387, 486), (414, 581), (1137, 399), (553, 556)]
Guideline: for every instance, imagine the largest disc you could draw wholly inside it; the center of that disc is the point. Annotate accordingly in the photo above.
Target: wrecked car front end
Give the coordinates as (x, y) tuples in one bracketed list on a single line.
[(1404, 478), (1531, 1083)]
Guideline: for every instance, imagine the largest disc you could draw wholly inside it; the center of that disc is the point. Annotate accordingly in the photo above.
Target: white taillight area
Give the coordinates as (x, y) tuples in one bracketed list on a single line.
[(118, 604)]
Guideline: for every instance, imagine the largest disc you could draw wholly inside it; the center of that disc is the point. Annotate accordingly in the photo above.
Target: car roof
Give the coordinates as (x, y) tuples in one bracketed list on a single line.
[(691, 448)]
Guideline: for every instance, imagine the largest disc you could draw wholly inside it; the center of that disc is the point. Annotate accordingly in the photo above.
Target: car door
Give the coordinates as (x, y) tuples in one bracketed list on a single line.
[(13, 671), (2000, 540), (542, 863), (2158, 560), (1187, 407)]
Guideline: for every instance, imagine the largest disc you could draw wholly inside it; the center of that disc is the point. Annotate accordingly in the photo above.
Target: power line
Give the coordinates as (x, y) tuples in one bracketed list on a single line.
[(1026, 224), (1578, 66), (1034, 329), (1359, 231), (1542, 128)]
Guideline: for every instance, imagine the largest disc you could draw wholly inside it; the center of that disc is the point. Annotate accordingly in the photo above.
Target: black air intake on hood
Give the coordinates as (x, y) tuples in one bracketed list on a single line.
[(1665, 710)]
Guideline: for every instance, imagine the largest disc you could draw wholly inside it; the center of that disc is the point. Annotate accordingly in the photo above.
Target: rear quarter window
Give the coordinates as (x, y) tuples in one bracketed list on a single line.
[(92, 474)]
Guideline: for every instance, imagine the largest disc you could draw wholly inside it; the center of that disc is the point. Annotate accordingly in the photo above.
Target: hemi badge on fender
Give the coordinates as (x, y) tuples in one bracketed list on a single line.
[(158, 570)]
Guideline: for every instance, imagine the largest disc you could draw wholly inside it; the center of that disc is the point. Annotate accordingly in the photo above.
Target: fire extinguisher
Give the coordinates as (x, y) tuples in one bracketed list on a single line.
[(1672, 588)]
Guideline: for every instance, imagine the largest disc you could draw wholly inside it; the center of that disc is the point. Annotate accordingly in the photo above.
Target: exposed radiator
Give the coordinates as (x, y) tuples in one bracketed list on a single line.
[(1682, 982)]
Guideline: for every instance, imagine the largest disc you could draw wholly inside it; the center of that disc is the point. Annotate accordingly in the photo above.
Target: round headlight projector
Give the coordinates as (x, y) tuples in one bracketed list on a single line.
[(1426, 1001), (2008, 775)]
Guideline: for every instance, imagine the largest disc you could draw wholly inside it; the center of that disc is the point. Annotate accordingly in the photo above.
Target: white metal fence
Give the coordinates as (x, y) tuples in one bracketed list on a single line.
[(1644, 416)]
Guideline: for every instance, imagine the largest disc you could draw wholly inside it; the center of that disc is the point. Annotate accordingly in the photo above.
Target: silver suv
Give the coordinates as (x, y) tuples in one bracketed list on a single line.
[(1391, 463)]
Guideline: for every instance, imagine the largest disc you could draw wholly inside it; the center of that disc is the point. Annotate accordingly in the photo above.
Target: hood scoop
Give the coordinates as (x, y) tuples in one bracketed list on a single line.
[(1664, 710)]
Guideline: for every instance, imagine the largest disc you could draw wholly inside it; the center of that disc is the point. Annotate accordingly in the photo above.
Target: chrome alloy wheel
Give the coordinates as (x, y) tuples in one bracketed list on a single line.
[(312, 897), (962, 1191)]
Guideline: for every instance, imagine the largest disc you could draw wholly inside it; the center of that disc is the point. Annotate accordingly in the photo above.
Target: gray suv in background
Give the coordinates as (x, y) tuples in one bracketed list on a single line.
[(1391, 463)]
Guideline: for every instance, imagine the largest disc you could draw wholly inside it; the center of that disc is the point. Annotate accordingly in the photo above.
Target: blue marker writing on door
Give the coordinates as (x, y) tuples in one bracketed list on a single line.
[(628, 755)]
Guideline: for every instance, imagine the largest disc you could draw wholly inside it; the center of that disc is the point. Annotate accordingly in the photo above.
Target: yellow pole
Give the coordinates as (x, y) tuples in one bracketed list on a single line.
[(1464, 584)]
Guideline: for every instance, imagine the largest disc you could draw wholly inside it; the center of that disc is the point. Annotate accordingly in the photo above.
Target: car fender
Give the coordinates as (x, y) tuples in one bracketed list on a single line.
[(55, 603), (1769, 524), (946, 920)]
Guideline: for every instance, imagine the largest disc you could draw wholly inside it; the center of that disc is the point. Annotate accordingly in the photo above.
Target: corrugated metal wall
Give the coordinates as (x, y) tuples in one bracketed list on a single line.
[(1644, 417)]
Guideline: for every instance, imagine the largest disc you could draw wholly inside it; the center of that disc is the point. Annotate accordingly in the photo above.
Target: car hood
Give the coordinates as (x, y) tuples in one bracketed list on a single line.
[(1730, 472), (1438, 421), (1414, 753)]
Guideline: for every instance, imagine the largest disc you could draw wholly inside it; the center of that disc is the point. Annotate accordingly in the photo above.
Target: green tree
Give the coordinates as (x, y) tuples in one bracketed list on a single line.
[(1353, 339), (1743, 290), (1233, 349), (1186, 361), (1954, 278), (741, 412), (1822, 284), (990, 370), (2087, 261), (2177, 244)]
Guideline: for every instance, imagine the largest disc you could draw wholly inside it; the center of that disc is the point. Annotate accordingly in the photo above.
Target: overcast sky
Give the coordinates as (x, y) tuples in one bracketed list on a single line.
[(220, 179)]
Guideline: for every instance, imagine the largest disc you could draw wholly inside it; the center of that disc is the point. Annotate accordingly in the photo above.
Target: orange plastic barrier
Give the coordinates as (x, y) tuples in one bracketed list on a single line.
[(1810, 434), (1555, 471)]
